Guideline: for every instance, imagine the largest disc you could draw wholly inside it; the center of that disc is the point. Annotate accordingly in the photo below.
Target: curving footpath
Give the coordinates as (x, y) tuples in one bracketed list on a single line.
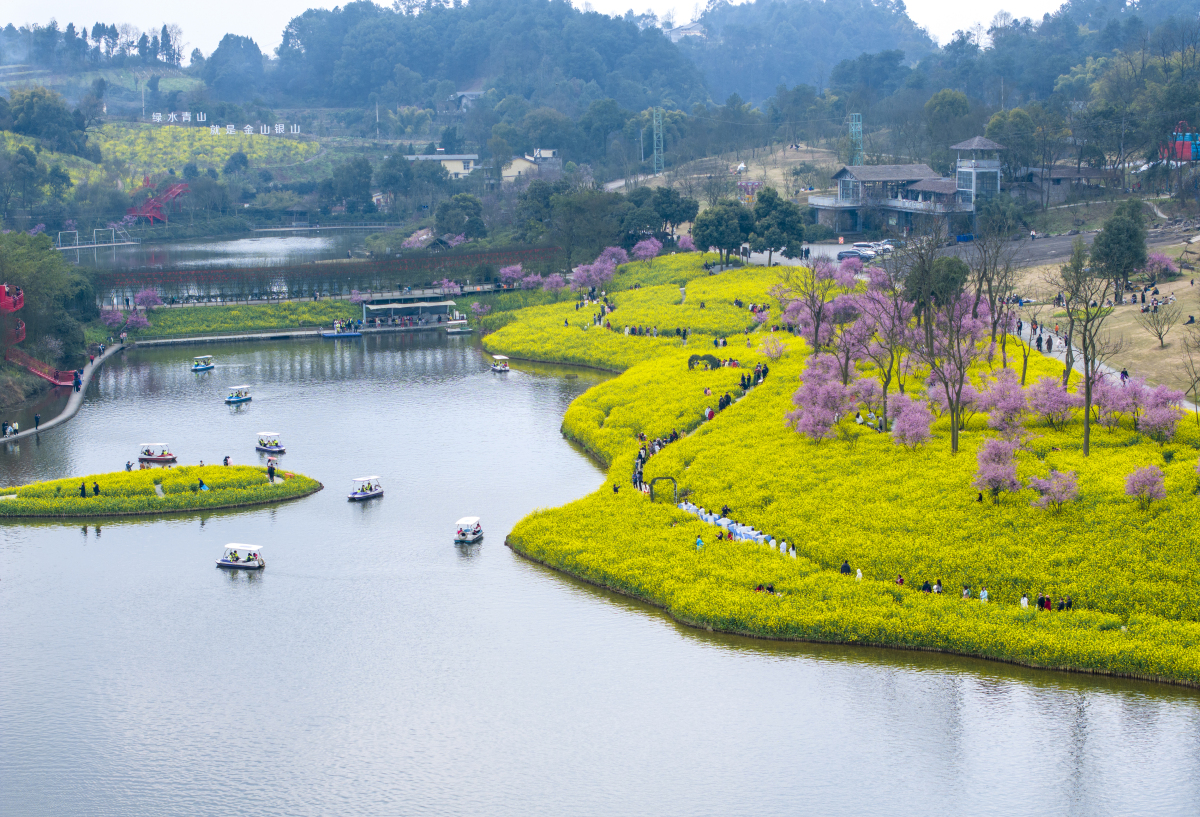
[(76, 399)]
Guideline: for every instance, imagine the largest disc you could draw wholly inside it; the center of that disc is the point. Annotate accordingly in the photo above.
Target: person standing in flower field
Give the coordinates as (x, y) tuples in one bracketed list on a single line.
[(983, 596)]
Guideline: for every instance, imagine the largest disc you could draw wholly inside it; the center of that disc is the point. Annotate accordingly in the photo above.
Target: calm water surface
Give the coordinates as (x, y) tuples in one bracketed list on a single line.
[(255, 250), (376, 668)]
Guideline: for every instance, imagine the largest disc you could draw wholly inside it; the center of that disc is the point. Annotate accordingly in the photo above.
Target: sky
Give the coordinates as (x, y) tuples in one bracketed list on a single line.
[(204, 23)]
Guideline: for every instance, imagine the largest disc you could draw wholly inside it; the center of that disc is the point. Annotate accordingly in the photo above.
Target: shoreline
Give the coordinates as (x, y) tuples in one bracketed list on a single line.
[(75, 401), (320, 486), (873, 644)]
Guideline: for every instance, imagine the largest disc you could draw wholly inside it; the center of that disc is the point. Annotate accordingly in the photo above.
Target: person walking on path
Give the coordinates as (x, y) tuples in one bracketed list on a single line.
[(37, 420)]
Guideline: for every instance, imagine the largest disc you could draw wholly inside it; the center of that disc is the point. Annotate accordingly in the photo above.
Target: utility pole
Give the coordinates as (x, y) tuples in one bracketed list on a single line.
[(856, 140), (658, 141), (376, 120), (642, 143)]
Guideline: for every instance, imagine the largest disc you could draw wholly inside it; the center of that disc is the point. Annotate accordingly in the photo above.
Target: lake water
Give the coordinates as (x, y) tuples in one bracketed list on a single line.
[(255, 250), (375, 668)]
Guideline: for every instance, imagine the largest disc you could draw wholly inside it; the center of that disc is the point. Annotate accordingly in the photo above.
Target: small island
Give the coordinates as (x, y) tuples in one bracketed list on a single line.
[(154, 490)]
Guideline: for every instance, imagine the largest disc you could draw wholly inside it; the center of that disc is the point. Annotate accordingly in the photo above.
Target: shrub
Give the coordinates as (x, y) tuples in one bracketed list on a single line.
[(912, 421), (997, 468), (1146, 485), (1056, 491)]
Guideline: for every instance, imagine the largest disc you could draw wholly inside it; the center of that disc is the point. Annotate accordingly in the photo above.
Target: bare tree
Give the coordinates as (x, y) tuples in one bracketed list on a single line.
[(1033, 313), (1191, 368), (1158, 321), (716, 187), (1084, 297), (993, 274)]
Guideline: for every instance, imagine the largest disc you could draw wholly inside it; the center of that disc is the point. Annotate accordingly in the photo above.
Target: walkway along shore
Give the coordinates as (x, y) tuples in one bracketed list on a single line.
[(76, 399)]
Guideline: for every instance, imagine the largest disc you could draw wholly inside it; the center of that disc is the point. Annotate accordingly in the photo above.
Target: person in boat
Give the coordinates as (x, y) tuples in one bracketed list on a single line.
[(233, 557)]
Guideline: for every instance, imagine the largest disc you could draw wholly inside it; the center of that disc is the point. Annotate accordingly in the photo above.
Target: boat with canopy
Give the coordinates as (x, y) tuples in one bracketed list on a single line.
[(202, 363), (268, 441), (155, 453), (500, 363), (242, 557), (365, 488), (468, 529), (238, 394)]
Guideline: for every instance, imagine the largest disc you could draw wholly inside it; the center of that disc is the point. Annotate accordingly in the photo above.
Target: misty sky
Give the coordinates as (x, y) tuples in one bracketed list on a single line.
[(205, 22)]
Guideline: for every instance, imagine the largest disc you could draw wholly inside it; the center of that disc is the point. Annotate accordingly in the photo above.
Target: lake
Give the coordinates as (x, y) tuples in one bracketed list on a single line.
[(374, 667)]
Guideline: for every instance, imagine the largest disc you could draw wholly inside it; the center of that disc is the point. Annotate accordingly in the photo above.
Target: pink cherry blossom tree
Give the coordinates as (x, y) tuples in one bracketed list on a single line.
[(821, 401), (1056, 491), (913, 419), (613, 257), (1005, 403), (511, 275), (997, 468), (554, 282), (686, 244), (848, 335), (1052, 403), (953, 337), (1146, 485), (531, 281), (137, 321), (1162, 413), (480, 309), (1112, 399), (887, 313), (356, 297), (805, 296), (647, 249), (147, 299), (112, 318)]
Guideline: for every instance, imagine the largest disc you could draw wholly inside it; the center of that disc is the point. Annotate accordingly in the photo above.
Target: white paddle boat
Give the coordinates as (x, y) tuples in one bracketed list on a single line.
[(146, 453), (268, 441), (468, 529), (242, 557), (365, 488), (238, 394), (500, 363), (202, 363)]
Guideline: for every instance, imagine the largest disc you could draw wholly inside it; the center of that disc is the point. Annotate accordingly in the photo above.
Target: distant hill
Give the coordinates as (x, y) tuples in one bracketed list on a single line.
[(543, 50), (752, 48)]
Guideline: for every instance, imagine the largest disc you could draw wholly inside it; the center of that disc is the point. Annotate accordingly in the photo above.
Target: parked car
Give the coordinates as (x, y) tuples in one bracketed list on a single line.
[(862, 255)]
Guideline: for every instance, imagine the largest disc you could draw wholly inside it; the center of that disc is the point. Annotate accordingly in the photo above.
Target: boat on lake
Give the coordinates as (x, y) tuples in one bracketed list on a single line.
[(238, 394), (468, 529), (202, 363), (499, 363), (268, 441), (365, 488), (341, 330), (459, 330), (146, 453), (241, 557)]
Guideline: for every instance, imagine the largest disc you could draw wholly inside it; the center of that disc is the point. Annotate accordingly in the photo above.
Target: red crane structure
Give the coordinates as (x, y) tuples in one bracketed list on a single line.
[(155, 208), (11, 300)]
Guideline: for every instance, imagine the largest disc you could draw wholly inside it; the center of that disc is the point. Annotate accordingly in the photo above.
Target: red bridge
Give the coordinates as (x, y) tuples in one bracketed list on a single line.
[(154, 208), (12, 299)]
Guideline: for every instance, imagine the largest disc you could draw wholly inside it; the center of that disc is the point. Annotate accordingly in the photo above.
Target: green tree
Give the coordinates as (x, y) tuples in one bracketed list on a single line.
[(43, 114), (585, 221), (461, 215), (395, 176), (725, 226), (1120, 248), (778, 225), (234, 72), (673, 209), (52, 289), (237, 164), (352, 183)]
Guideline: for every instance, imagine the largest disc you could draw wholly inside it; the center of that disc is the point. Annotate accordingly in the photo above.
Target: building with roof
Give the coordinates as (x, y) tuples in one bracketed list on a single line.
[(458, 165), (889, 196)]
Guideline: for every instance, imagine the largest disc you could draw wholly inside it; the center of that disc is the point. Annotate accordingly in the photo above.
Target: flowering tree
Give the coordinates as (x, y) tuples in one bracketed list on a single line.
[(821, 401), (1159, 264), (1146, 485), (531, 281), (1056, 491), (454, 240), (613, 257), (147, 299), (849, 335), (1162, 413), (805, 295), (1005, 403), (953, 337), (887, 314), (137, 321), (686, 244), (356, 297), (913, 419), (449, 287), (112, 318), (417, 239), (646, 249), (554, 282), (511, 275), (970, 402), (772, 348), (480, 309), (1051, 402), (868, 392), (1112, 400), (997, 468)]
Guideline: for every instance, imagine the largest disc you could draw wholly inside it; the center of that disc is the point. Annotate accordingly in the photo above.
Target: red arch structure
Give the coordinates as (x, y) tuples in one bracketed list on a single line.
[(12, 299), (155, 208)]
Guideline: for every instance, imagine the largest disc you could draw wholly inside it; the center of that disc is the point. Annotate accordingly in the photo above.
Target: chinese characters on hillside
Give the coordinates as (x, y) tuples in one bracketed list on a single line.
[(179, 117)]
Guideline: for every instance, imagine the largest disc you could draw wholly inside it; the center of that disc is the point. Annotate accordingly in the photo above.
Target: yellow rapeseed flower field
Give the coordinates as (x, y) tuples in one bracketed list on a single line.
[(1133, 575)]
